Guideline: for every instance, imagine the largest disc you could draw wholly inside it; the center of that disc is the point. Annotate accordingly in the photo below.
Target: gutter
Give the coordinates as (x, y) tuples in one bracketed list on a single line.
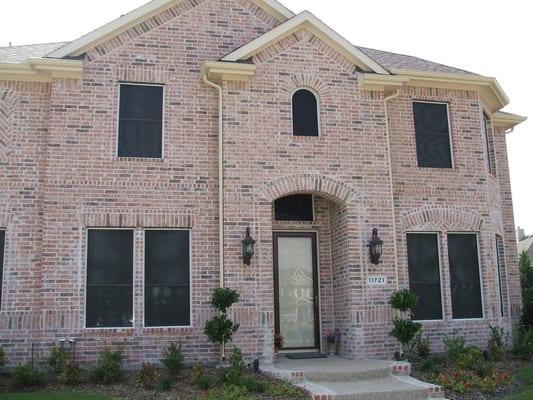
[(220, 174), (386, 99)]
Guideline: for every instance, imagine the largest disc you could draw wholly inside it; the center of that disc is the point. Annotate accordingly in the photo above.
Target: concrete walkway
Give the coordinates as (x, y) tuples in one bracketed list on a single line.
[(336, 378)]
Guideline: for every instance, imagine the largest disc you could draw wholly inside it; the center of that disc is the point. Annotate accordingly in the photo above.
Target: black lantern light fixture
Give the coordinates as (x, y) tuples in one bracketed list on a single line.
[(248, 247), (375, 247)]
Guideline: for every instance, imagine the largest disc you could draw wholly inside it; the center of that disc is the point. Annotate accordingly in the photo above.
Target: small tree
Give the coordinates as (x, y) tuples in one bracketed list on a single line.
[(404, 329), (526, 281), (220, 328)]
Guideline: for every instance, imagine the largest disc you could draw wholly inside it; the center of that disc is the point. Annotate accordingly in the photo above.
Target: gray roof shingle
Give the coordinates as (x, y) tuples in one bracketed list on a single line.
[(16, 54)]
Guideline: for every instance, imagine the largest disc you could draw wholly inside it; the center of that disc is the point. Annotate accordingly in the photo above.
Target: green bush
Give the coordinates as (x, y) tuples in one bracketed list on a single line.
[(254, 384), (198, 372), (220, 329), (233, 374), (165, 383), (403, 300), (109, 366), (496, 343), (2, 357), (229, 392), (147, 376), (455, 347), (405, 330), (173, 360), (223, 298), (523, 343), (285, 390), (57, 359), (526, 282), (207, 382), (431, 365), (421, 346), (471, 357), (26, 376), (71, 374)]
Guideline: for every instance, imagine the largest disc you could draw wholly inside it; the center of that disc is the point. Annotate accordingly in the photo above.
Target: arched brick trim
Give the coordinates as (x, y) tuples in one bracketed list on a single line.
[(305, 81), (325, 186), (441, 219)]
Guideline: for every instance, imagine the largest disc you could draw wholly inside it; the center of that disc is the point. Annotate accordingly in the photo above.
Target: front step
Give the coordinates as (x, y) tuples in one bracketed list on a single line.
[(390, 388)]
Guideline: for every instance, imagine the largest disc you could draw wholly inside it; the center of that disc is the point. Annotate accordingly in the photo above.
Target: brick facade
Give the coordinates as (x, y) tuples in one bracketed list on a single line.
[(60, 175)]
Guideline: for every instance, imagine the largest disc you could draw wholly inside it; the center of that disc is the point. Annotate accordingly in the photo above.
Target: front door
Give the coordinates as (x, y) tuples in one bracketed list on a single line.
[(296, 290)]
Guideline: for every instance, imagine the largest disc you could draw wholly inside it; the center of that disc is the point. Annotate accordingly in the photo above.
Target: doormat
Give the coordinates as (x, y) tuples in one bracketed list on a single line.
[(304, 356)]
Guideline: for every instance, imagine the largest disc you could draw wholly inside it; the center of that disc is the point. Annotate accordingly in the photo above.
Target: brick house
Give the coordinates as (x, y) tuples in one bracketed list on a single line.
[(121, 153)]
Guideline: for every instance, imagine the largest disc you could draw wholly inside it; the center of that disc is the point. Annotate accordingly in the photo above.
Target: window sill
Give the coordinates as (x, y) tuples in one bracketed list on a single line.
[(139, 160)]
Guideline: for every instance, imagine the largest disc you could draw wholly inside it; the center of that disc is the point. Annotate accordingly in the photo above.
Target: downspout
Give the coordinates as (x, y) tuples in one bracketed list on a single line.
[(220, 175), (392, 96)]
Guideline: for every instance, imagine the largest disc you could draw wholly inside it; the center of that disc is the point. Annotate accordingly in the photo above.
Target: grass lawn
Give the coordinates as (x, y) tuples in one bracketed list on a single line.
[(54, 396), (526, 374)]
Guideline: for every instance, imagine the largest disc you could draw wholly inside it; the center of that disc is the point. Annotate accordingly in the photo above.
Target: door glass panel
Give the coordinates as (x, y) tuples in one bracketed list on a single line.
[(296, 292)]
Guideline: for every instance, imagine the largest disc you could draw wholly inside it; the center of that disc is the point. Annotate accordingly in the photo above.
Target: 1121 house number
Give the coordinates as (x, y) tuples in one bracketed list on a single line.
[(376, 280)]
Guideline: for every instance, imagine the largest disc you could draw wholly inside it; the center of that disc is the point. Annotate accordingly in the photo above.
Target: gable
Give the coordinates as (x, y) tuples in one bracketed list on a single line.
[(308, 21), (140, 15)]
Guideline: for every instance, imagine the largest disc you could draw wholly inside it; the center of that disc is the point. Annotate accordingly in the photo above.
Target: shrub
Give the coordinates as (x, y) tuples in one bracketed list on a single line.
[(198, 372), (526, 282), (403, 300), (523, 343), (233, 374), (404, 330), (253, 384), (223, 298), (26, 376), (471, 357), (57, 359), (430, 365), (465, 381), (496, 343), (2, 357), (165, 383), (173, 360), (421, 346), (71, 374), (207, 382), (455, 347), (230, 392), (108, 370), (279, 341), (285, 390), (147, 376)]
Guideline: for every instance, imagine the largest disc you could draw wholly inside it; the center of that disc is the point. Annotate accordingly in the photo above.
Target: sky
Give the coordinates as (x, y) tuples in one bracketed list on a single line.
[(488, 37)]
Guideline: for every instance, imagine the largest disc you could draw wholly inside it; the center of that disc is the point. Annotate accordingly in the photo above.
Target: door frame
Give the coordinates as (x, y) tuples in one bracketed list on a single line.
[(316, 301)]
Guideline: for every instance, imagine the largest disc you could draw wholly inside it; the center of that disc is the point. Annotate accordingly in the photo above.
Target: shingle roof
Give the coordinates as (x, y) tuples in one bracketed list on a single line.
[(16, 54), (394, 60), (525, 244), (387, 59)]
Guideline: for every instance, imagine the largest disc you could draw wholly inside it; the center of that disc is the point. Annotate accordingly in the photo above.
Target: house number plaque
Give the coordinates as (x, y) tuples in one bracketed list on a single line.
[(376, 280)]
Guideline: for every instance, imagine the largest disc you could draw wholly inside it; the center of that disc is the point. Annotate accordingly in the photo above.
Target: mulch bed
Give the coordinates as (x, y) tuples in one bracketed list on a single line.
[(510, 365), (131, 389)]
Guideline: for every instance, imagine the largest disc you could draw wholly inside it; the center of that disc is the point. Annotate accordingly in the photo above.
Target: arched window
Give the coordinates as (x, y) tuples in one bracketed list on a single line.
[(305, 113)]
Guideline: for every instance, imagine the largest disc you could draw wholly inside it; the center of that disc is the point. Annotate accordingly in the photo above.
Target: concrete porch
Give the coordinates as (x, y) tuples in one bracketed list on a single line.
[(336, 378)]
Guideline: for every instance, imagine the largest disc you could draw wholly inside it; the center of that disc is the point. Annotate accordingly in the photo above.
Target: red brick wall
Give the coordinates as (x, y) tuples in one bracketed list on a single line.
[(60, 175)]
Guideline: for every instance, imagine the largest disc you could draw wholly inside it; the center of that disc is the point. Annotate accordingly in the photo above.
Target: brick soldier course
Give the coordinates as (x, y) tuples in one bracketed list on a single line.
[(60, 175)]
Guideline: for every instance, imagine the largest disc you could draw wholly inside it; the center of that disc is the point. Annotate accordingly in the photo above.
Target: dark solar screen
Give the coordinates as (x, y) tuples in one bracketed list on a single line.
[(432, 135), (298, 207), (304, 113)]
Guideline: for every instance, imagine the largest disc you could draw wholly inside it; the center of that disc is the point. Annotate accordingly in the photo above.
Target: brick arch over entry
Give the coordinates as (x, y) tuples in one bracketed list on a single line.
[(441, 219), (324, 186)]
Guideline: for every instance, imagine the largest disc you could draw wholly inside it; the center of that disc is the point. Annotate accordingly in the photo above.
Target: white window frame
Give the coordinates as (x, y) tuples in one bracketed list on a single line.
[(486, 133), (318, 106), (441, 272), (500, 286), (144, 280), (450, 134), (481, 278), (162, 157), (117, 328)]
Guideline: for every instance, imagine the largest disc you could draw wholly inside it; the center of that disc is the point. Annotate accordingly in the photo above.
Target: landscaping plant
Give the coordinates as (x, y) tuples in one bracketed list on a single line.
[(234, 372), (26, 376), (173, 360), (147, 376), (220, 329), (2, 357), (421, 346), (57, 359), (454, 346), (109, 366), (523, 343), (526, 282), (404, 329), (496, 345), (71, 374)]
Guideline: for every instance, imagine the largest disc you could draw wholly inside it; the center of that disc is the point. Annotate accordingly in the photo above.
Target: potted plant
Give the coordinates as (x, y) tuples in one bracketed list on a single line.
[(337, 345), (279, 342), (330, 341)]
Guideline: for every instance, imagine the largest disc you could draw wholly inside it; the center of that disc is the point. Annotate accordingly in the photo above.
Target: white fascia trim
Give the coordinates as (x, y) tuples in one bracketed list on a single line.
[(137, 16), (309, 21)]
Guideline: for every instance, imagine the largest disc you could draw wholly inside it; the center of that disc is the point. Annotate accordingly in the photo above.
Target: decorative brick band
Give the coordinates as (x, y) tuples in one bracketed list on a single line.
[(136, 218), (441, 219), (8, 101), (328, 187)]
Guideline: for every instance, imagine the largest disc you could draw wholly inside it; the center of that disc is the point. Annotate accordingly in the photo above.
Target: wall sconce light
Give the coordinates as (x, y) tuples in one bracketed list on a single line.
[(248, 247), (375, 247)]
